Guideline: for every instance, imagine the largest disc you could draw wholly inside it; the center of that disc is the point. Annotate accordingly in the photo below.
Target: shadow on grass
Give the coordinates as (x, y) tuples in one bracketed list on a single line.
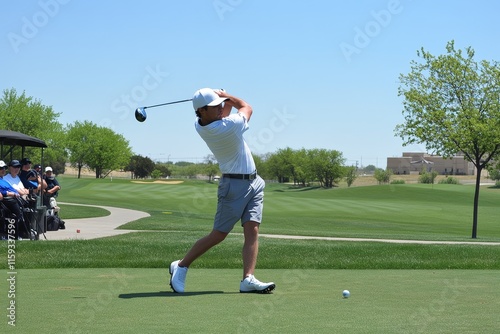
[(169, 294)]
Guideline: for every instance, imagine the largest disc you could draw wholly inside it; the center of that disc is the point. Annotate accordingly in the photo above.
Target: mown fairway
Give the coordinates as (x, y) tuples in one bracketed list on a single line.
[(411, 211)]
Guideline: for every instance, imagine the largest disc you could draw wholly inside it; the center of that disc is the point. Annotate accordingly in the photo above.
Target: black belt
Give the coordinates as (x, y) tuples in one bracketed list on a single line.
[(241, 176)]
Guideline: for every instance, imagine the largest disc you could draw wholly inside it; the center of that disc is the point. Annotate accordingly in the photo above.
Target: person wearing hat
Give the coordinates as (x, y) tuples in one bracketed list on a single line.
[(8, 196), (30, 178), (13, 178), (240, 192), (51, 191)]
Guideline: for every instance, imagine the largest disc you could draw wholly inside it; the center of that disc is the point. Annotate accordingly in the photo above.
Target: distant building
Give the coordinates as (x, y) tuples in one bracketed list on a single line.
[(414, 162)]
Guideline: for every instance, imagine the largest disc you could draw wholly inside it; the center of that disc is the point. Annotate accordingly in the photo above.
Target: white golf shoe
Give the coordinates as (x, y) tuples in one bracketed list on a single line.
[(251, 284), (177, 276)]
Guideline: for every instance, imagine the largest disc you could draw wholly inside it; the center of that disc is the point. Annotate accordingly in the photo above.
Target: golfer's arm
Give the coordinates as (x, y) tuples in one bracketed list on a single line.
[(242, 107)]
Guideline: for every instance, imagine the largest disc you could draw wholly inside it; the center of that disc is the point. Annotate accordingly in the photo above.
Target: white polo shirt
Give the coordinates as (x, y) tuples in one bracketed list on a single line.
[(225, 139)]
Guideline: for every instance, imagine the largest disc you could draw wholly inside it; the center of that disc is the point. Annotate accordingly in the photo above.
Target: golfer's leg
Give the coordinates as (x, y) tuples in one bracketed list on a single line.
[(250, 247), (201, 246)]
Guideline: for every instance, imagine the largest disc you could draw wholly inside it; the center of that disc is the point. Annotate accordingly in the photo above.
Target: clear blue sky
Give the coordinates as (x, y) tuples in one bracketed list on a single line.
[(319, 74)]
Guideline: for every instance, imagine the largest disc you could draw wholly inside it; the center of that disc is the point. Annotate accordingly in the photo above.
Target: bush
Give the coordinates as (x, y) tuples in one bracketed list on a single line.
[(398, 182), (382, 176), (449, 180), (426, 177)]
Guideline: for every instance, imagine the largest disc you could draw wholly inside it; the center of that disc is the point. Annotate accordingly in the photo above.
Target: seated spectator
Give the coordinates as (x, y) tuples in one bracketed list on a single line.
[(38, 169), (10, 199), (14, 180), (30, 178), (52, 189)]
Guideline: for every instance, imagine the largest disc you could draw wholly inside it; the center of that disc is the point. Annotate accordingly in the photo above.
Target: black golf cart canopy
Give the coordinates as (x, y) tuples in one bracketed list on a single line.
[(12, 139)]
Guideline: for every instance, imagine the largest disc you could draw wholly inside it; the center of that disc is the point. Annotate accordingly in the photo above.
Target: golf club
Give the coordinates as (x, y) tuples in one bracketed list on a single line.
[(140, 113)]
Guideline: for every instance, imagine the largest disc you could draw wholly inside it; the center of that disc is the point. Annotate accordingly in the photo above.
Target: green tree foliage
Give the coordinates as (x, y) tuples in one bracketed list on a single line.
[(164, 168), (24, 114), (211, 167), (301, 172), (326, 166), (382, 176), (278, 167), (140, 166), (156, 174), (261, 165), (350, 175), (99, 148), (305, 166), (452, 104), (427, 177), (494, 173)]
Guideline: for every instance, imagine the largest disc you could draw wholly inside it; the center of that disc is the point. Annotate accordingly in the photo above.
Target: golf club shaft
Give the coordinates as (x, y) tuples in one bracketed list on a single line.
[(164, 104)]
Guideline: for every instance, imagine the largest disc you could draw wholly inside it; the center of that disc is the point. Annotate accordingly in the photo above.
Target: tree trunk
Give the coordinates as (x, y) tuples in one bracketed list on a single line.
[(476, 201)]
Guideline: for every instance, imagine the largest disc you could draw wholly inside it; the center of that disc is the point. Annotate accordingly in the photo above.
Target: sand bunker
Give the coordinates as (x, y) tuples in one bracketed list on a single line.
[(159, 181)]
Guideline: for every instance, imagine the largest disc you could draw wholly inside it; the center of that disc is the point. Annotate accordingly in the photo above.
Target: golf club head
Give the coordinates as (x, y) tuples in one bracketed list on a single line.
[(140, 114)]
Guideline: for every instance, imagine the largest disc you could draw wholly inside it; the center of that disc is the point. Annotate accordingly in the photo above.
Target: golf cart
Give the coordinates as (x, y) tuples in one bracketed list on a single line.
[(8, 141)]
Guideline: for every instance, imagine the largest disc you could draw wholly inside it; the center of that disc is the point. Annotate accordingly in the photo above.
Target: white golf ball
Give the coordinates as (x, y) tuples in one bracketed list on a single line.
[(346, 293)]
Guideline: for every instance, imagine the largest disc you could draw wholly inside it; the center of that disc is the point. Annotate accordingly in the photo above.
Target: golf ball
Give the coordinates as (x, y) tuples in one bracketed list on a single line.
[(346, 293)]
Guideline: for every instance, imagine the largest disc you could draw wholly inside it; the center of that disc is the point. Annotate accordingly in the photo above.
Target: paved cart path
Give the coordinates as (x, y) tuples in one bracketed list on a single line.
[(98, 227)]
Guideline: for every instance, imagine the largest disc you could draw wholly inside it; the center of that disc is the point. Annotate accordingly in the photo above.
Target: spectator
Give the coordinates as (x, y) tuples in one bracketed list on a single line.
[(30, 178), (9, 199), (14, 180), (38, 169), (52, 189)]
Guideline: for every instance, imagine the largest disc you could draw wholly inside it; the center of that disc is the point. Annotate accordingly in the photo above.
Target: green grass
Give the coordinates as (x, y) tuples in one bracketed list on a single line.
[(120, 284), (180, 214), (306, 301), (158, 249), (403, 211), (75, 212)]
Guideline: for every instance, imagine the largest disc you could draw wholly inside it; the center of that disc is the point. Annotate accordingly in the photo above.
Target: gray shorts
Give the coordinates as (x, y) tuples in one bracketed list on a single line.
[(238, 200)]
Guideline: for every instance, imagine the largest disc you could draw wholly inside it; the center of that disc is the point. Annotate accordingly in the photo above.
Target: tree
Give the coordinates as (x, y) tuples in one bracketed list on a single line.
[(164, 168), (277, 166), (382, 176), (494, 173), (211, 166), (327, 166), (261, 165), (24, 114), (98, 148), (427, 177), (351, 175), (370, 169), (78, 141), (140, 166), (452, 104), (111, 152), (302, 173)]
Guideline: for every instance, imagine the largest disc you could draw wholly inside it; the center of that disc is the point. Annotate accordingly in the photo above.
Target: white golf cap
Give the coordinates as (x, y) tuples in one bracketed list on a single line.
[(206, 97), (48, 169)]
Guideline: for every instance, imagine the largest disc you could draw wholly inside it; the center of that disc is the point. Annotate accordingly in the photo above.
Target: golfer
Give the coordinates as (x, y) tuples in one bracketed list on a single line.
[(240, 192)]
